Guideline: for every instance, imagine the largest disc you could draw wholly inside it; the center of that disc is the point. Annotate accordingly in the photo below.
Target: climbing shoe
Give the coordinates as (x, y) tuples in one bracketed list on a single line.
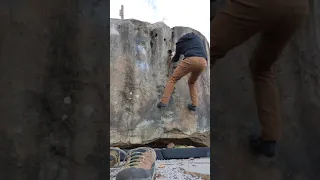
[(115, 157), (139, 165), (267, 148), (161, 105), (192, 107)]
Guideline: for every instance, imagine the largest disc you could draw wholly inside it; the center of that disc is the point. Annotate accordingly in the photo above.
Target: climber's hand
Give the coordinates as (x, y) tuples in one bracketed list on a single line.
[(170, 53)]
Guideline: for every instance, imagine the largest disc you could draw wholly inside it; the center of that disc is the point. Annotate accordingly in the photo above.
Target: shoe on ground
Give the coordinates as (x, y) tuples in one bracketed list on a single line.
[(192, 107), (267, 148), (114, 157), (161, 105), (140, 165)]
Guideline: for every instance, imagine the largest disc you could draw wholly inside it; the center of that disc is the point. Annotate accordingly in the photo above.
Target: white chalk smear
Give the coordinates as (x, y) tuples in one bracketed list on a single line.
[(145, 123), (142, 50), (143, 66)]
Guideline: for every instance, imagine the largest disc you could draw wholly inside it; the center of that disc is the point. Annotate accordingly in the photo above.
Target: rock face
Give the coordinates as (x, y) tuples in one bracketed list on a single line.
[(234, 110), (138, 74)]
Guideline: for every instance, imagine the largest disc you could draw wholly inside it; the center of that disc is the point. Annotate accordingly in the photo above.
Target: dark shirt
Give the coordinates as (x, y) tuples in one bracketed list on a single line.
[(190, 45)]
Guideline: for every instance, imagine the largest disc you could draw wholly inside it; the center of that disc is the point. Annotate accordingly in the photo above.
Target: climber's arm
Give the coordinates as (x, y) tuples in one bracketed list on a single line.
[(177, 54)]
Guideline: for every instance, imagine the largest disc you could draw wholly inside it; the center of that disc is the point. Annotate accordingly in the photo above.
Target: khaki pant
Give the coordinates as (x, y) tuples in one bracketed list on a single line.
[(276, 21), (195, 65)]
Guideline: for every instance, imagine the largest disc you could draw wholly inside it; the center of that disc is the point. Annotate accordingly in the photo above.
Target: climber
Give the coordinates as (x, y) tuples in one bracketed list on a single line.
[(276, 21), (195, 61)]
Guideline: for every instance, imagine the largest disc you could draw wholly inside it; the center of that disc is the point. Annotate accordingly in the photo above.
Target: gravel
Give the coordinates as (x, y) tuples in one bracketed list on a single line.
[(168, 170)]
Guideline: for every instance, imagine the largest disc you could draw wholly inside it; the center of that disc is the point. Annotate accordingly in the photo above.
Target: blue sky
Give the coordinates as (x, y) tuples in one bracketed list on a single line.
[(190, 13)]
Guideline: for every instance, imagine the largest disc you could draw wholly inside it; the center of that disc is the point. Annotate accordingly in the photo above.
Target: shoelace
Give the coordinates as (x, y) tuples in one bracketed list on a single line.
[(133, 158), (136, 156)]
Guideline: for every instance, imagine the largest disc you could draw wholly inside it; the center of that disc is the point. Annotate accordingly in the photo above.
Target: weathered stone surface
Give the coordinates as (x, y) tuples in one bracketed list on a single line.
[(234, 111), (138, 74)]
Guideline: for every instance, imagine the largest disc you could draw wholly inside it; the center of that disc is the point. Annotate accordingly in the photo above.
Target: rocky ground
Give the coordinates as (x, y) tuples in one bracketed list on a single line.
[(182, 169)]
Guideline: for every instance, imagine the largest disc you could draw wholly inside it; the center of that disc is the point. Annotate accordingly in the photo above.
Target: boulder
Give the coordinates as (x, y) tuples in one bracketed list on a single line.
[(139, 70)]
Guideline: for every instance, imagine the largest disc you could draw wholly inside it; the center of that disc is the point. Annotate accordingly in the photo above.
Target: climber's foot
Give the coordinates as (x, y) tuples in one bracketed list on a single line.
[(161, 105), (267, 148), (192, 107)]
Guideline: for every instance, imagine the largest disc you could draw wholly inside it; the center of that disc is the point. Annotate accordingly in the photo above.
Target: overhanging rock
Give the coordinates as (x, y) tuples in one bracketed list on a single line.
[(139, 72)]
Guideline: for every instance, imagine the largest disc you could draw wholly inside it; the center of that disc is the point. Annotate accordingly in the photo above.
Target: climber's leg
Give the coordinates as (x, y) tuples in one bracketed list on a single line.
[(271, 44), (232, 26), (238, 22), (183, 69), (196, 72)]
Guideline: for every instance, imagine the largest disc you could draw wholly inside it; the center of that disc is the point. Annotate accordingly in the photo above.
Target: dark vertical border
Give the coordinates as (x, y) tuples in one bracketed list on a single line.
[(96, 13), (212, 161), (108, 88), (54, 62), (215, 6), (108, 85), (78, 74)]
